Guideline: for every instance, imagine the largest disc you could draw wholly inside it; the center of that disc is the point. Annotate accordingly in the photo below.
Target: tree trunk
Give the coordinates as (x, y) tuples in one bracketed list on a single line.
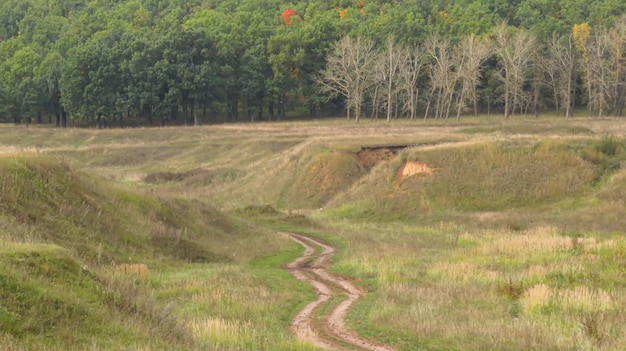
[(194, 112), (506, 103), (427, 108), (536, 101), (185, 113)]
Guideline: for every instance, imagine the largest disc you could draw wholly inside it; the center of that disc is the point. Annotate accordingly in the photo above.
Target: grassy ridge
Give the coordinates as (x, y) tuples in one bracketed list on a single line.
[(86, 264), (98, 222), (50, 301), (507, 246), (483, 177)]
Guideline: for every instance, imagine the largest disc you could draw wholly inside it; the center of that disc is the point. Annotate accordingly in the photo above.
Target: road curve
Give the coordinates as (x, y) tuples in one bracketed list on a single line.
[(328, 330)]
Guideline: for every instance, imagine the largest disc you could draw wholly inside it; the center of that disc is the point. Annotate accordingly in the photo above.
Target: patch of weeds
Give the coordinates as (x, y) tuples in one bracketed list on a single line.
[(608, 145), (594, 326), (511, 289)]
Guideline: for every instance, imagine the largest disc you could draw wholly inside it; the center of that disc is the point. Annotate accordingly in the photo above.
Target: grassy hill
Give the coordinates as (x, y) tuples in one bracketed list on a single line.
[(87, 264), (483, 235)]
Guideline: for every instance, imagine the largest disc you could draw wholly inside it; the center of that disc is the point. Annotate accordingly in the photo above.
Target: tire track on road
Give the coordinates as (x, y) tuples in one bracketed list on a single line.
[(329, 330)]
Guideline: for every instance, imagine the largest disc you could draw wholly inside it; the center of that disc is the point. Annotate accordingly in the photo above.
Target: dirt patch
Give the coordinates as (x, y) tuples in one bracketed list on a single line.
[(331, 331), (370, 156), (330, 173), (411, 168)]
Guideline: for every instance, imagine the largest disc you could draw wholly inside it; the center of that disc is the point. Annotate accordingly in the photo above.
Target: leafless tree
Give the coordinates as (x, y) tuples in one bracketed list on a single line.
[(348, 72), (375, 99), (599, 71), (516, 49), (603, 53), (560, 69), (471, 53), (410, 72), (389, 60), (443, 76)]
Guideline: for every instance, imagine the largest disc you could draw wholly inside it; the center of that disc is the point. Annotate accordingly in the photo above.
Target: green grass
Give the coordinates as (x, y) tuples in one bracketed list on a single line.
[(70, 293), (516, 238), (51, 301)]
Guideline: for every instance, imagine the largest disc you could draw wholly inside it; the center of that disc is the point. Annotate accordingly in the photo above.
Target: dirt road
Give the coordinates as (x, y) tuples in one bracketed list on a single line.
[(326, 329)]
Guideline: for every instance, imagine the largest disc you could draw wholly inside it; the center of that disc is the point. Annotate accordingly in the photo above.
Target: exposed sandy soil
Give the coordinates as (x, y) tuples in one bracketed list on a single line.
[(326, 329)]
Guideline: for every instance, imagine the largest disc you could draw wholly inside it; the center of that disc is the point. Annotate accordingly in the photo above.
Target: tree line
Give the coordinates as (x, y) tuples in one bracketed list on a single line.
[(194, 61)]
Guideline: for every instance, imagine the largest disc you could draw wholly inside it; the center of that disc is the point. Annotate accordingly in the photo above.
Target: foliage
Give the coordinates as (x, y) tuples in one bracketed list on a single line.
[(191, 62)]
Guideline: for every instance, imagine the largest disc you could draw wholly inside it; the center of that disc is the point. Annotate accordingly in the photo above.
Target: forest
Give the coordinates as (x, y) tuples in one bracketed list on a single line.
[(113, 62)]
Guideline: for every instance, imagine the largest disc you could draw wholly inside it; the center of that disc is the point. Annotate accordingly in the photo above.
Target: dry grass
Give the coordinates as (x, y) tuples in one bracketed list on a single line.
[(218, 331), (449, 288), (138, 272), (443, 275), (585, 299), (536, 298), (536, 240)]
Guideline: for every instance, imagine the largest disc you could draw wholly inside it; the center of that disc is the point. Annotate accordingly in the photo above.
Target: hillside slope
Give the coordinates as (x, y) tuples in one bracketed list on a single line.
[(76, 255)]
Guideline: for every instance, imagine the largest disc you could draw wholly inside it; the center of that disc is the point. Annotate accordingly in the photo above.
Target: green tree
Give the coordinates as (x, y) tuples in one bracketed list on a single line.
[(23, 91)]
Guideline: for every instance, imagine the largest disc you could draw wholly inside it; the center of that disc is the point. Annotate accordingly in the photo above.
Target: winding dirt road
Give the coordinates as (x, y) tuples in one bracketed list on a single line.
[(326, 329)]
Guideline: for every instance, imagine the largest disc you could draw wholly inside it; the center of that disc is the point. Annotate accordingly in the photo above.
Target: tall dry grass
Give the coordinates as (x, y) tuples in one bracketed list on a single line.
[(447, 287)]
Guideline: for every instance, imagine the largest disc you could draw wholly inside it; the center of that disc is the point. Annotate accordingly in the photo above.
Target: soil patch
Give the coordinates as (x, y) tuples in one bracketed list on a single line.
[(411, 168), (324, 327), (370, 156)]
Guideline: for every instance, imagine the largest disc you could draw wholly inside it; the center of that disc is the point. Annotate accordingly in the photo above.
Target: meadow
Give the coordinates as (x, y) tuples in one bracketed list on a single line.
[(166, 238)]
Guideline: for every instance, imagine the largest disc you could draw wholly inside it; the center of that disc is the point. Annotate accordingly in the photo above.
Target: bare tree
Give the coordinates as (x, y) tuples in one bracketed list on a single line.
[(390, 58), (443, 77), (516, 49), (375, 98), (348, 72), (410, 71), (599, 74), (560, 69), (618, 51), (603, 52), (471, 53)]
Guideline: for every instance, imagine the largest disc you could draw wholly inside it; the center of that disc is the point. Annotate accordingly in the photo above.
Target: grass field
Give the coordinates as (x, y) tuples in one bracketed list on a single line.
[(165, 238)]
